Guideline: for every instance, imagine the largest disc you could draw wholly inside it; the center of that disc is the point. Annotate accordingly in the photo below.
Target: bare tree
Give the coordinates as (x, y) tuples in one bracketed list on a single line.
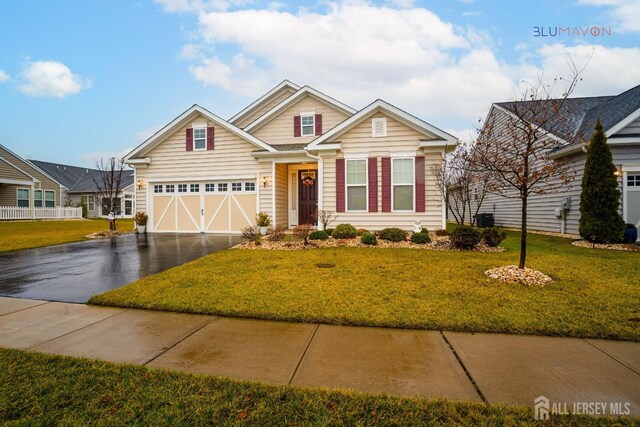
[(514, 144), (325, 217), (461, 185), (109, 184)]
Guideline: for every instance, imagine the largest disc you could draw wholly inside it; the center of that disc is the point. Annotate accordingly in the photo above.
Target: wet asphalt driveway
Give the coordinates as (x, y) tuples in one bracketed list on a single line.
[(74, 272)]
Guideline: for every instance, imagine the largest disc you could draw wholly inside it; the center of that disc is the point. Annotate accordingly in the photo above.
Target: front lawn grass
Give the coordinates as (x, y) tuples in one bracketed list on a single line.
[(16, 235), (39, 389), (595, 294)]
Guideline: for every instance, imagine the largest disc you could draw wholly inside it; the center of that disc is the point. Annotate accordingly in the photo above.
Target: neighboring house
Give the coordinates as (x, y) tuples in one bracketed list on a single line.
[(620, 117), (81, 189), (292, 151), (23, 184)]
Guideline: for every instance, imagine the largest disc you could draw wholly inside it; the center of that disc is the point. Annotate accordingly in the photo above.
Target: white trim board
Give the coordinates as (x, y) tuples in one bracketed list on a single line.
[(285, 84)]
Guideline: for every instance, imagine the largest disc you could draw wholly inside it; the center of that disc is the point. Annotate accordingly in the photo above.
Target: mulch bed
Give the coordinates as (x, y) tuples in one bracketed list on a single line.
[(438, 243), (513, 274), (108, 234), (611, 246)]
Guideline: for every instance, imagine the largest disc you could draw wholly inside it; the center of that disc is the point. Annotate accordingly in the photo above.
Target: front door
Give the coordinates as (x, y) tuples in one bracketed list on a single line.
[(307, 197)]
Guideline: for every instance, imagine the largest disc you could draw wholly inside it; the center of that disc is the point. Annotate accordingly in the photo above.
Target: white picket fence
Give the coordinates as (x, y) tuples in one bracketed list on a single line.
[(13, 212)]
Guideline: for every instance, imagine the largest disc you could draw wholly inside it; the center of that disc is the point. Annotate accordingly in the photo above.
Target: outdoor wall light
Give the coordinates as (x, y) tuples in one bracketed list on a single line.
[(618, 171), (265, 181), (140, 184)]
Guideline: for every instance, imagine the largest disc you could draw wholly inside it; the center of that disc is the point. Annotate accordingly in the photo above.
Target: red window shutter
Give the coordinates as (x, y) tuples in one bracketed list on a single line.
[(340, 205), (297, 127), (318, 123), (211, 132), (373, 184), (386, 184), (189, 139), (420, 196)]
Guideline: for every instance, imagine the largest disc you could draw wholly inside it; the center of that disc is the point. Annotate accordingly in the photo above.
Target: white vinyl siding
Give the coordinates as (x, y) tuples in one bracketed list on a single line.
[(356, 182), (402, 184)]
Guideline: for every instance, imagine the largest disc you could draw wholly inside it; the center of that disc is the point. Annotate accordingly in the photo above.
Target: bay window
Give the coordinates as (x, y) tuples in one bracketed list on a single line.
[(402, 178), (356, 171)]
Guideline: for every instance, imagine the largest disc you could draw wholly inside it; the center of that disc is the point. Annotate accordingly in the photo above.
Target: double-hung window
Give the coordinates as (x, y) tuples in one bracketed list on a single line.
[(402, 184), (307, 121), (37, 198), (49, 199), (23, 197), (200, 139), (89, 202), (356, 184)]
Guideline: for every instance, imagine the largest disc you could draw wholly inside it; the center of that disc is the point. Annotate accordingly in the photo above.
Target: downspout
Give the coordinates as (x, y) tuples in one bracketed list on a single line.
[(320, 184)]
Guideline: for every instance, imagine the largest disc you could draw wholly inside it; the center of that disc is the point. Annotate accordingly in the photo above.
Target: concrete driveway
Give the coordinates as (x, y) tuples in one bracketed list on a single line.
[(74, 272)]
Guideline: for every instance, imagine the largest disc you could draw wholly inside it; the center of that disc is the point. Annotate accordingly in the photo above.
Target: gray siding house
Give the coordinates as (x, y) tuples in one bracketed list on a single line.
[(559, 212), (80, 187)]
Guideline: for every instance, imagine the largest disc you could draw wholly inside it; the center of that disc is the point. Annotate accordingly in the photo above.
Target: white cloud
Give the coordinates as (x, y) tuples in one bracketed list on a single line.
[(50, 78), (4, 77), (470, 13), (199, 5), (357, 52), (625, 13)]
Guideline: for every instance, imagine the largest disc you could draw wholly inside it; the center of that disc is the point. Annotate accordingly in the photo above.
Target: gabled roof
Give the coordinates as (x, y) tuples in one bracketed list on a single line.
[(28, 163), (284, 85), (577, 117), (306, 90), (393, 111), (182, 120), (78, 179)]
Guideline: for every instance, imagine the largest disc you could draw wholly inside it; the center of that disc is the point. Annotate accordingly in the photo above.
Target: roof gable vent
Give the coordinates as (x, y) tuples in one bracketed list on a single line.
[(379, 127)]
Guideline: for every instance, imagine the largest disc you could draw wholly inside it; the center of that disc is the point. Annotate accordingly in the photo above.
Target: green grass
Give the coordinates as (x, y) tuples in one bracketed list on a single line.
[(595, 292), (16, 235), (38, 389)]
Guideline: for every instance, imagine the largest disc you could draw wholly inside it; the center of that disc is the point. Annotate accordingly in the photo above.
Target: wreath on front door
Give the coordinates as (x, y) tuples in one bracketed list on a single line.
[(308, 179)]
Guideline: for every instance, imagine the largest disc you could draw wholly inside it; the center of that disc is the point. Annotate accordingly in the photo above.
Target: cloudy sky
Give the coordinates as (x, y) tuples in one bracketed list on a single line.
[(80, 79)]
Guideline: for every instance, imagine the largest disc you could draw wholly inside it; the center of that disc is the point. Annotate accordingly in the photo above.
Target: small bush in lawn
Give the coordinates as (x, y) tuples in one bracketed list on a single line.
[(465, 237), (344, 231), (361, 231), (393, 234), (318, 235), (369, 239), (493, 236), (302, 232), (442, 232), (421, 238), (329, 231), (277, 233)]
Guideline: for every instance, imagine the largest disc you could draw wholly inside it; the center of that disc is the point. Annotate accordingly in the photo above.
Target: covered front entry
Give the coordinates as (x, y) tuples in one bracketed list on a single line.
[(300, 183), (307, 196), (203, 207)]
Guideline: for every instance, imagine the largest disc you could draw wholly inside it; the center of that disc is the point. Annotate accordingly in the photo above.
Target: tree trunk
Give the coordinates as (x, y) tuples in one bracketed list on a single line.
[(523, 234)]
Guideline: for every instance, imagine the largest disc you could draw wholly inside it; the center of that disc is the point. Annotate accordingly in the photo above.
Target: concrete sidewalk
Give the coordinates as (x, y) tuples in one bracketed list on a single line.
[(510, 369)]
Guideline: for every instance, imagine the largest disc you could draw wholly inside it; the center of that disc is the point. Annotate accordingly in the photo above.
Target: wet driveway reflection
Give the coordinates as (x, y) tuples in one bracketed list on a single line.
[(74, 272)]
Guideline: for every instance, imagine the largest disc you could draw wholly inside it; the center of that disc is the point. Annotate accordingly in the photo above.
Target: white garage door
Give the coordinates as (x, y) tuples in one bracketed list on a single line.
[(203, 207)]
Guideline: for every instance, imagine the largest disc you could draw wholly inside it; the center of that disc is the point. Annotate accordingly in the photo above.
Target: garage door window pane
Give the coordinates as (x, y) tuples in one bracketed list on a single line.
[(222, 186), (236, 186), (249, 186), (157, 189), (195, 188), (182, 188), (169, 188)]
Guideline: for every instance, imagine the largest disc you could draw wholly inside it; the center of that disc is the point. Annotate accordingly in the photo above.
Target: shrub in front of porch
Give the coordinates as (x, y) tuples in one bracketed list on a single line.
[(393, 234), (318, 235), (344, 231)]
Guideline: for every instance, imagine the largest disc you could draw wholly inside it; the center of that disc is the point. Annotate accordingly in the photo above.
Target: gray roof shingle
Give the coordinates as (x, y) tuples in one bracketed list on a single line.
[(78, 179), (577, 116)]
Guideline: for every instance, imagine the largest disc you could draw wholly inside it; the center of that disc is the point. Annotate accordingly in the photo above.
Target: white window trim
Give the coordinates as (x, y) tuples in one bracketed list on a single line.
[(393, 186), (366, 184), (28, 197), (205, 138), (311, 114), (375, 120)]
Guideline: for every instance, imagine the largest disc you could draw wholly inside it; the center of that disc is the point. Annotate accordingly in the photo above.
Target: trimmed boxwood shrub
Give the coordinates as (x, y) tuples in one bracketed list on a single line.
[(421, 238), (493, 236), (329, 231), (393, 234), (442, 232), (369, 239), (344, 231), (465, 237), (361, 231), (318, 235)]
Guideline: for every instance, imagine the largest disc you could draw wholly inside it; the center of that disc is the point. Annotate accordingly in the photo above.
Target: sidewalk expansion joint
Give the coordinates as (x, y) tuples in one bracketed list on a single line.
[(26, 308), (464, 368), (607, 354), (304, 353), (181, 340)]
